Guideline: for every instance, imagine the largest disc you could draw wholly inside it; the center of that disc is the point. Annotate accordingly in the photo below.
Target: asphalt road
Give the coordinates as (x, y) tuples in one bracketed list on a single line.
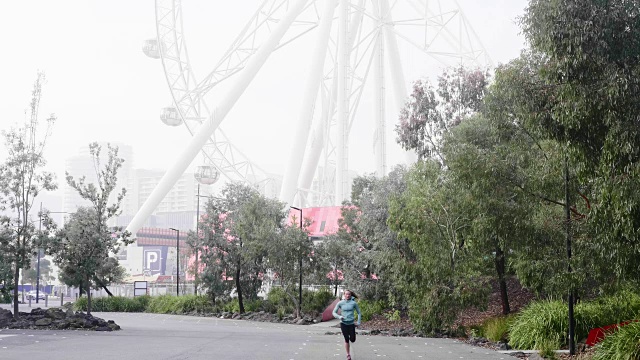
[(173, 337)]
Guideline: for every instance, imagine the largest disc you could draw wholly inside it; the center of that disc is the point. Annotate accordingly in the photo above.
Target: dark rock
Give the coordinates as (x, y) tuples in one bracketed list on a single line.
[(43, 322), (5, 314), (38, 312), (55, 313), (55, 319)]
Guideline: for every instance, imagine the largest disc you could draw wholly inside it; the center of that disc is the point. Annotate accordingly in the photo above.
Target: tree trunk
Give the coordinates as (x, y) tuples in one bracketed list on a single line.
[(102, 285), (16, 276), (88, 296), (238, 288), (500, 269)]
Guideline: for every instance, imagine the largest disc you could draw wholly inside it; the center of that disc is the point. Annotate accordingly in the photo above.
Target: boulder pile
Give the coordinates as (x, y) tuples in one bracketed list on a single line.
[(55, 319)]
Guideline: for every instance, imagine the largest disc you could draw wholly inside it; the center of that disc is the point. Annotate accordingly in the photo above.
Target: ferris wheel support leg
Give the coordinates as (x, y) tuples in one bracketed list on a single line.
[(299, 143), (210, 125), (380, 137), (343, 104), (397, 75), (318, 137)]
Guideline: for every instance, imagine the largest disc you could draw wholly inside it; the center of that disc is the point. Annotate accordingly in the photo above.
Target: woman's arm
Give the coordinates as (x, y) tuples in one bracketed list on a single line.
[(335, 311), (359, 314)]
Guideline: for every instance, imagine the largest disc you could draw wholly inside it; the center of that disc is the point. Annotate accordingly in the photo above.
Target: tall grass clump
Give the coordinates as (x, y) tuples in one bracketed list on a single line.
[(540, 325), (497, 329), (545, 323), (623, 344), (113, 304), (163, 304), (607, 310), (80, 304), (188, 304)]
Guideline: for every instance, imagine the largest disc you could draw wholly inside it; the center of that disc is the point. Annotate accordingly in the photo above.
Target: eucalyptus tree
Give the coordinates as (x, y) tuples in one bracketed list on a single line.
[(335, 252), (6, 276), (286, 252), (237, 229), (22, 178), (82, 252), (592, 53), (83, 246), (504, 172), (430, 112), (368, 250), (443, 275)]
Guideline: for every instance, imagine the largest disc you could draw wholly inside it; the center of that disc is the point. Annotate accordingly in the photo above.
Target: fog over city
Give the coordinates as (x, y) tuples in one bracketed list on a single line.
[(102, 87)]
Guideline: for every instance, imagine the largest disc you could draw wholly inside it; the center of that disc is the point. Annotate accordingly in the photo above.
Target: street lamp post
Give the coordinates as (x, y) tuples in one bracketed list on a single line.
[(197, 269), (299, 267), (177, 260)]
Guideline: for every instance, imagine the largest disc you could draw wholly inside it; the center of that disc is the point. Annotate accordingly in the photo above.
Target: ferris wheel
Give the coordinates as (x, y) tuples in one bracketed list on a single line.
[(354, 41)]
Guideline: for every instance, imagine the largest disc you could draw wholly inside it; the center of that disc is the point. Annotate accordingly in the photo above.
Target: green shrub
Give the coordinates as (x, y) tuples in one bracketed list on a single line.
[(279, 301), (163, 304), (80, 304), (370, 308), (497, 329), (544, 323), (623, 344), (232, 306), (194, 304), (113, 304), (253, 306), (392, 315), (187, 304), (316, 301)]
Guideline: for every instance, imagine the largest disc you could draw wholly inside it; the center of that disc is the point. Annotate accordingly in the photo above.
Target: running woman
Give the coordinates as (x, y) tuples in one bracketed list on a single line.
[(348, 305)]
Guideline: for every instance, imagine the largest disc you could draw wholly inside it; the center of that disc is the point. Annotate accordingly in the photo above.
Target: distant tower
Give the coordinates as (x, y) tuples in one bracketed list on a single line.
[(357, 43)]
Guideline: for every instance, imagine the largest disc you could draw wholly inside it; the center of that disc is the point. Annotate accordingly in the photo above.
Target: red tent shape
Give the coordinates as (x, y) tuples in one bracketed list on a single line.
[(327, 314)]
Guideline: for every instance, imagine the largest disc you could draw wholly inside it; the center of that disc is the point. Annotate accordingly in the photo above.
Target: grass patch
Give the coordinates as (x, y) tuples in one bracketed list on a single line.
[(113, 304), (623, 344), (497, 329), (546, 323)]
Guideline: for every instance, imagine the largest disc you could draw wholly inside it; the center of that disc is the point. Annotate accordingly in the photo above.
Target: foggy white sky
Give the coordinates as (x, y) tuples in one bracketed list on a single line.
[(103, 88)]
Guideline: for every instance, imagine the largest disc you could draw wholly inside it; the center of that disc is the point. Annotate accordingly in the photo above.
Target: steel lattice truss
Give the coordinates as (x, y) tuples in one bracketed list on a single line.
[(354, 37)]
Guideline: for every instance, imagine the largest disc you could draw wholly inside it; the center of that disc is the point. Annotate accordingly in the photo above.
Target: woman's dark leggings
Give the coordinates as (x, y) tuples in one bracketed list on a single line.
[(349, 332)]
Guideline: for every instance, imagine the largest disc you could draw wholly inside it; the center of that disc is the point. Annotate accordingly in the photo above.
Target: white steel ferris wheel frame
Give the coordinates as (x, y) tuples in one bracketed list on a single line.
[(345, 53)]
